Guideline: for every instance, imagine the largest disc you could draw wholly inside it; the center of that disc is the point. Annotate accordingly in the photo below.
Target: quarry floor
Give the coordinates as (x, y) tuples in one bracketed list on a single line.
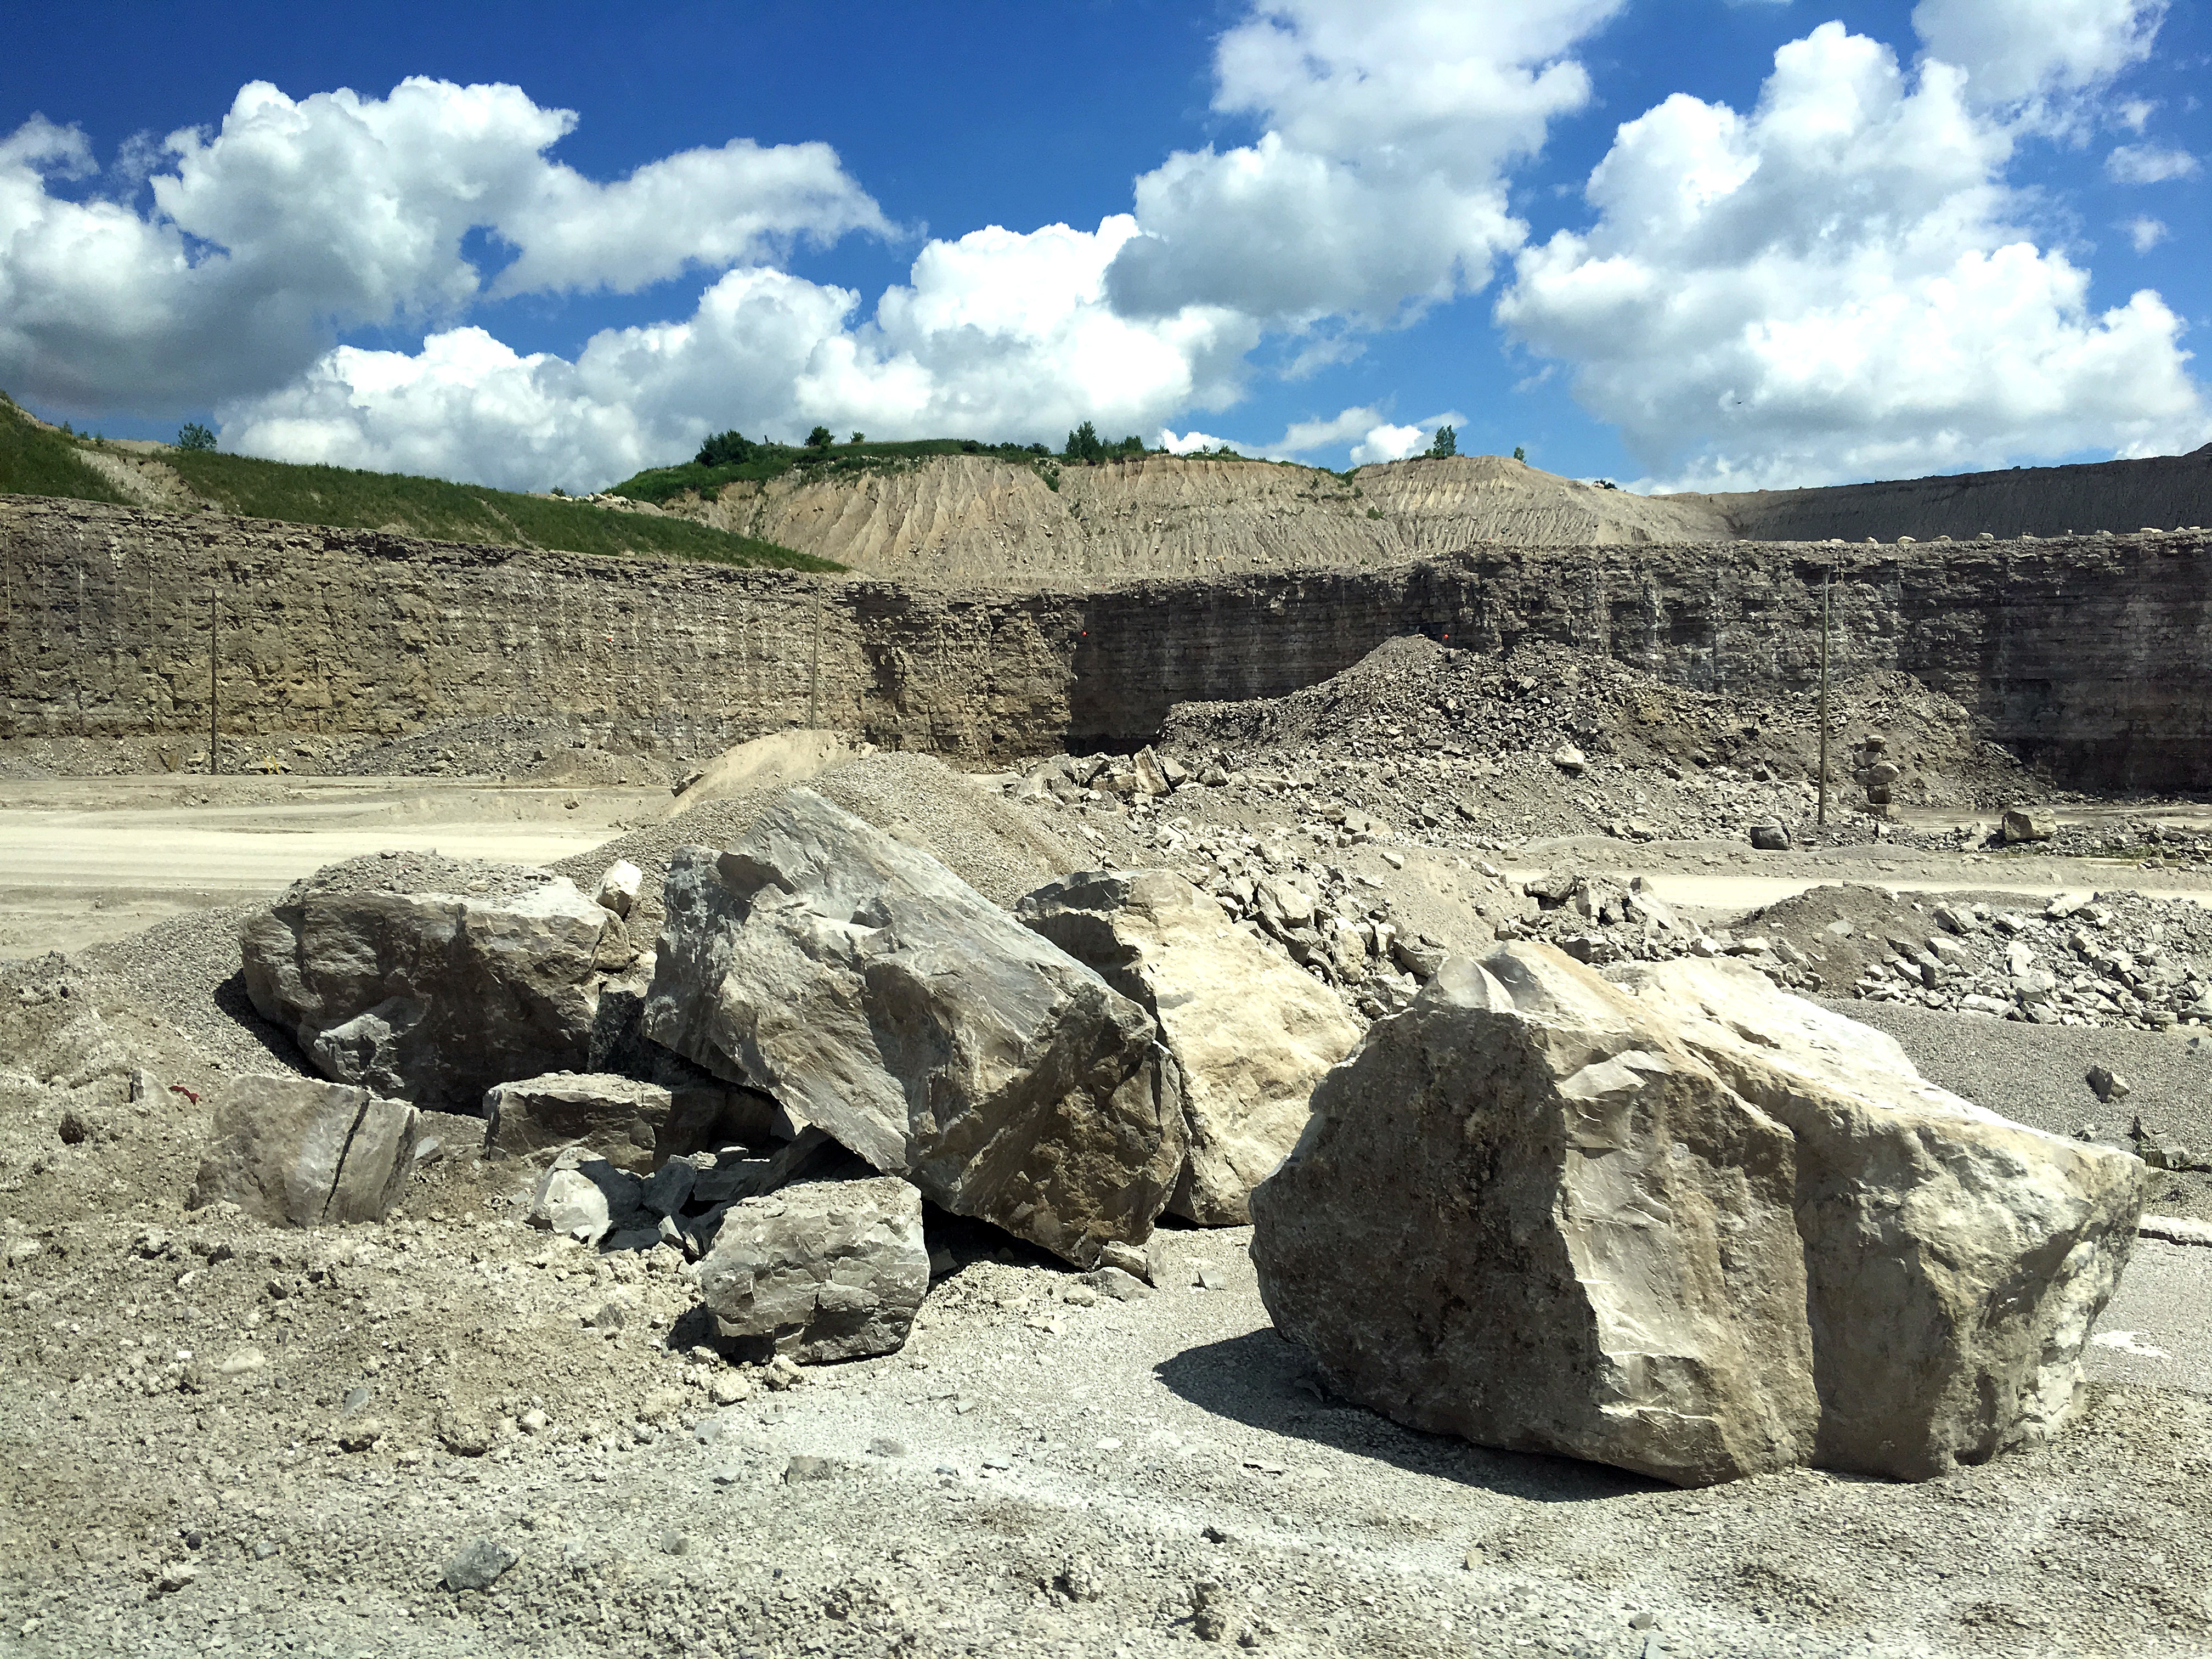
[(84, 860), (1028, 1475)]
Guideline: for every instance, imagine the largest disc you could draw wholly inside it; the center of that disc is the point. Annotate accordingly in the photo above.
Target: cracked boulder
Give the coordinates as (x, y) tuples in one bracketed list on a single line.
[(877, 996), (295, 1152), (1698, 1228), (824, 1271), (434, 998), (1250, 1033)]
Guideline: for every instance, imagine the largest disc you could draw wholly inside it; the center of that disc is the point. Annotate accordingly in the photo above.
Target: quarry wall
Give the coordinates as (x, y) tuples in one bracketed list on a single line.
[(2123, 497), (2092, 655)]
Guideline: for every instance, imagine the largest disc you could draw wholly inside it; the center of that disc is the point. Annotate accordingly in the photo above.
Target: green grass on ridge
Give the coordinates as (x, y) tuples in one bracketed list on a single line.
[(37, 462)]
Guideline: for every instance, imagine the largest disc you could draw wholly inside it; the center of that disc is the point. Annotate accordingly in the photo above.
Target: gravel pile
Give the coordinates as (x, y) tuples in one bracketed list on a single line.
[(995, 847), (2108, 959), (1413, 696), (418, 873), (187, 972)]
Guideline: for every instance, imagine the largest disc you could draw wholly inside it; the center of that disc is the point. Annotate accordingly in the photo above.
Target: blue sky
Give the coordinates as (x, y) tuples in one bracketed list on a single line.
[(1693, 244)]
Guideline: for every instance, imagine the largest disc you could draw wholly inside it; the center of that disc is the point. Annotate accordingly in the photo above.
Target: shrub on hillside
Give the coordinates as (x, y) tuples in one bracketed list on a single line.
[(731, 449), (195, 437)]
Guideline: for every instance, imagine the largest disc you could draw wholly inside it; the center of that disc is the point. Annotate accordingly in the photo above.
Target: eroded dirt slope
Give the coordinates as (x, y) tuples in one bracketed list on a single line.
[(966, 516)]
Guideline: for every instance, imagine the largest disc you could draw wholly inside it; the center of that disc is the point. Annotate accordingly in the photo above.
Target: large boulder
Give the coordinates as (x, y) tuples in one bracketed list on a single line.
[(1955, 1262), (877, 995), (1251, 1033), (825, 1271), (434, 998), (1521, 1215), (1700, 1228), (294, 1151)]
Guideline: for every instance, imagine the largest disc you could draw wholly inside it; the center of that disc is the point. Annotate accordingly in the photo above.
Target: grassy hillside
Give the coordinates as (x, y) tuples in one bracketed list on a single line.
[(656, 485), (37, 462), (458, 513)]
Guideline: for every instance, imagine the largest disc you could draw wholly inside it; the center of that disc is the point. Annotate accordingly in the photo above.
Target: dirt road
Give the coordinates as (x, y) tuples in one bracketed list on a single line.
[(83, 859)]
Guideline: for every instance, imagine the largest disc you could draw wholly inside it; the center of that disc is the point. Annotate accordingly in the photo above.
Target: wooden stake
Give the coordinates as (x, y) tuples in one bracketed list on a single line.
[(1828, 601)]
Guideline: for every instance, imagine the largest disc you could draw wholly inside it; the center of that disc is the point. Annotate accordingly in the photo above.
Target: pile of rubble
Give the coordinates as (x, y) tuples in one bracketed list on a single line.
[(1694, 755), (832, 1029), (833, 1038)]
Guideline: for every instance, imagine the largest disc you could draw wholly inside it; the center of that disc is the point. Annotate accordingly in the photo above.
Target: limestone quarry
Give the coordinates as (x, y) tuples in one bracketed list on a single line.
[(1187, 1052)]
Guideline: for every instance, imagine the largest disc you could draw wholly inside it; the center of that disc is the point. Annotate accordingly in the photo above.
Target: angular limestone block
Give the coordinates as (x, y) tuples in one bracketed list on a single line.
[(1251, 1033)]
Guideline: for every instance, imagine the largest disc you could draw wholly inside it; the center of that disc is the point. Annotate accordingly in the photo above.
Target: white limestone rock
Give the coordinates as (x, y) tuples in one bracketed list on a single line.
[(296, 1151), (1251, 1033), (1690, 1225), (434, 998), (1522, 1215)]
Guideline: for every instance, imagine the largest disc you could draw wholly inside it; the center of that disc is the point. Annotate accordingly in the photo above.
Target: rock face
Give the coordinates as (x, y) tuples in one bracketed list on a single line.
[(293, 1150), (1250, 1033), (1521, 1215), (434, 998), (877, 995), (824, 1271), (1698, 1231), (1954, 1260), (633, 1125)]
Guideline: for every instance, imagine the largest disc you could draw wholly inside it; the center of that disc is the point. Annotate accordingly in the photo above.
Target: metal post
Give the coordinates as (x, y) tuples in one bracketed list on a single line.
[(215, 755), (1828, 601)]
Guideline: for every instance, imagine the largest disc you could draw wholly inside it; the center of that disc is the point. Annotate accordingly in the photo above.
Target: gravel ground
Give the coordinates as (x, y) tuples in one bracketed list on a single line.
[(187, 973), (2037, 1074), (1033, 1472)]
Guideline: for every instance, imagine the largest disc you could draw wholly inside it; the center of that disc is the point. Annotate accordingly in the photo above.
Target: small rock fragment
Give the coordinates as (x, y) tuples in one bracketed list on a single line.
[(479, 1565)]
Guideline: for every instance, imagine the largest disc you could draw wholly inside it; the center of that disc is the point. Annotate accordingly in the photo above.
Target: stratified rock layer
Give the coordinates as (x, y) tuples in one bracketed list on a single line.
[(877, 996), (1698, 1231), (1251, 1033)]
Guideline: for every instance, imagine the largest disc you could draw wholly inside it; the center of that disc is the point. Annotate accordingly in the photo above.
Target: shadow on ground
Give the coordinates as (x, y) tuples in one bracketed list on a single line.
[(1259, 1380)]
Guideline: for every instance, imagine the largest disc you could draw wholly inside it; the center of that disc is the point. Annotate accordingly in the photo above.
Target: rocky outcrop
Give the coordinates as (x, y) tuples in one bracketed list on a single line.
[(435, 998), (823, 1271), (294, 1151), (1250, 1033), (880, 998), (1699, 1230)]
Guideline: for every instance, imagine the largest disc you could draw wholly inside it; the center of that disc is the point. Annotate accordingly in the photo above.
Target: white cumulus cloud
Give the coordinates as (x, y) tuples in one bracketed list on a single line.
[(2145, 231), (995, 335), (298, 219), (1377, 185), (2148, 164), (2036, 56), (1830, 287)]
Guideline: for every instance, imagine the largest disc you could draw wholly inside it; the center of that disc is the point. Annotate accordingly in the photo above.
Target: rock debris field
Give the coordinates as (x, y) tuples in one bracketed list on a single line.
[(1344, 1178)]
